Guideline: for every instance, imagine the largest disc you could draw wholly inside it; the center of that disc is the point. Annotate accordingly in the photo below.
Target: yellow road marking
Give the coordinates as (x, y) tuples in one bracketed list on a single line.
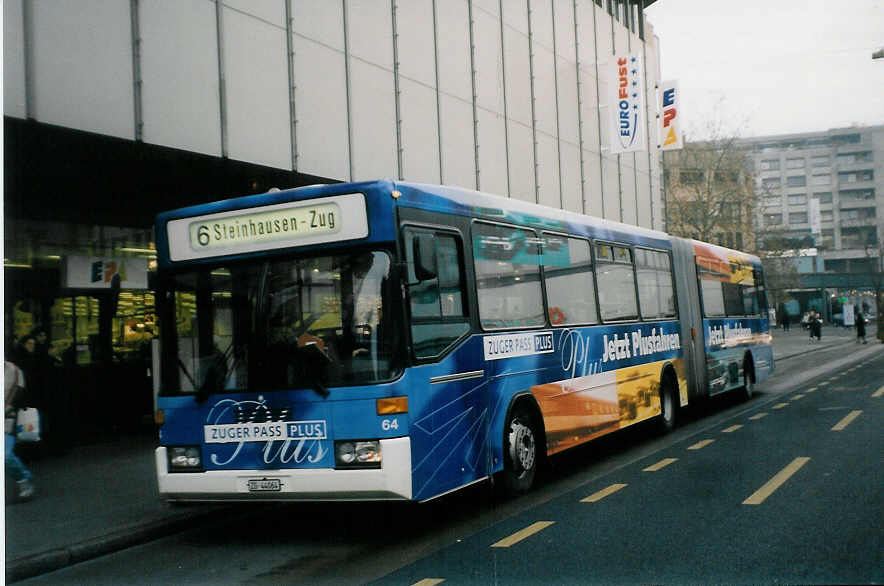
[(824, 383), (798, 396), (731, 429), (846, 421), (811, 390), (777, 481), (523, 534), (594, 498), (758, 416), (779, 405), (701, 444), (429, 582), (878, 393), (661, 464)]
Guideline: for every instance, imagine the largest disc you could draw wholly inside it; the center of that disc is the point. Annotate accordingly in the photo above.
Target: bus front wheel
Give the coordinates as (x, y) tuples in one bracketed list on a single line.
[(520, 453)]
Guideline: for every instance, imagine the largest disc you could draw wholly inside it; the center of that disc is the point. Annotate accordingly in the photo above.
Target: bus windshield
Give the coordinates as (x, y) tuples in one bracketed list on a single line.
[(279, 324)]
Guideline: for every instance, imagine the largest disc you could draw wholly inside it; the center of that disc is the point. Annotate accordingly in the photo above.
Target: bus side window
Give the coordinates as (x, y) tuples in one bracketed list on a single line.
[(655, 293), (570, 293), (437, 302), (711, 276), (616, 281)]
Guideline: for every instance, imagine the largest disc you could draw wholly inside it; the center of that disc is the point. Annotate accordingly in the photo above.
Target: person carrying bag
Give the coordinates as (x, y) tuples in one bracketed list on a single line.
[(14, 384)]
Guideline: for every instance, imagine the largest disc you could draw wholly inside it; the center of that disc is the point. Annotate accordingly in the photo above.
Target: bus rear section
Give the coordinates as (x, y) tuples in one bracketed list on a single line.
[(735, 321)]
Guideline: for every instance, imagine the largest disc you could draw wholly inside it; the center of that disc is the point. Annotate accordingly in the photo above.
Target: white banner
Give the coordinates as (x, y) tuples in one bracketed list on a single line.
[(813, 210), (88, 272), (670, 123), (626, 105)]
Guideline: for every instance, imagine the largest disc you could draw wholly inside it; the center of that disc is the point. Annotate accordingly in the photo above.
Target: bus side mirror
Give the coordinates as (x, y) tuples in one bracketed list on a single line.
[(424, 257)]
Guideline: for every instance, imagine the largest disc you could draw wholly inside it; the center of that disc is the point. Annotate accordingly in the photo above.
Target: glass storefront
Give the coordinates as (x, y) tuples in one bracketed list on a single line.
[(98, 330)]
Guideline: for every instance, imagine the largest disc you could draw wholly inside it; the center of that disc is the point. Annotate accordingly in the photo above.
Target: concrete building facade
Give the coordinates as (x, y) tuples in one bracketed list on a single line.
[(838, 172)]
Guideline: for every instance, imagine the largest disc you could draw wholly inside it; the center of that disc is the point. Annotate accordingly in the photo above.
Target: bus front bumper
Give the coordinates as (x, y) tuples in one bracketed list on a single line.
[(390, 482)]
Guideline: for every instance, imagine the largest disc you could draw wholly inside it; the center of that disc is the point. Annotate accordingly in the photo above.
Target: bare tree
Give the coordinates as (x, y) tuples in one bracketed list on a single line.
[(710, 192)]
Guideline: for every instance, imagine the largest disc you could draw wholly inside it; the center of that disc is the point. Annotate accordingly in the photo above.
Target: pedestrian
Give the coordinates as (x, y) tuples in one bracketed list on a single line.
[(14, 385), (860, 327), (816, 326)]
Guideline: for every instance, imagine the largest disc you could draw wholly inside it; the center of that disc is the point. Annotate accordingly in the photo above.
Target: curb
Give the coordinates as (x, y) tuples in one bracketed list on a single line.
[(56, 559)]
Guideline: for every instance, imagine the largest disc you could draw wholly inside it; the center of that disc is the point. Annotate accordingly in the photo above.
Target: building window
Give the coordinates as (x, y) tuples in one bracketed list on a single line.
[(690, 176), (826, 216), (824, 196), (794, 163), (798, 218), (856, 176), (820, 161), (727, 176), (846, 139), (853, 158), (821, 179), (730, 211), (858, 237), (770, 165), (798, 199), (857, 193), (796, 181), (770, 183), (771, 201), (858, 214), (773, 219)]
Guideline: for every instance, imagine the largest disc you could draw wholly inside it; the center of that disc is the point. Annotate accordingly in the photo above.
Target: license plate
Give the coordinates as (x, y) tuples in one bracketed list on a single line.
[(265, 485)]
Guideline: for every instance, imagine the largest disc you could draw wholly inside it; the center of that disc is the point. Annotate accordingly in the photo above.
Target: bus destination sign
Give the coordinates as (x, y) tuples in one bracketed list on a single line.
[(265, 226), (284, 225)]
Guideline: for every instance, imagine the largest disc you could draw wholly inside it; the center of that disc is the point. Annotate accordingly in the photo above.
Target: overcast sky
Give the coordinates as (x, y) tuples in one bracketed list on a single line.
[(773, 66)]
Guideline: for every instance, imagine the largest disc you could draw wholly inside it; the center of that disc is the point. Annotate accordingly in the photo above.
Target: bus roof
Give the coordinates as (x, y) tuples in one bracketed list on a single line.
[(439, 198)]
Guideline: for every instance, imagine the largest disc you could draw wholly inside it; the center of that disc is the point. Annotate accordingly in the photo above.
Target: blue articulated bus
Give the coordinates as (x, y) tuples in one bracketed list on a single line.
[(388, 340)]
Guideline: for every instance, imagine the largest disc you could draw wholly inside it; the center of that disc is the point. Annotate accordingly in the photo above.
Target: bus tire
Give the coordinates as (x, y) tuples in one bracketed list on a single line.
[(748, 378), (668, 404), (520, 452)]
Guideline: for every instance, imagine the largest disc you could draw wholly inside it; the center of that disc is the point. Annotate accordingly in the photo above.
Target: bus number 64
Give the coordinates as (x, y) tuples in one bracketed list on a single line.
[(388, 424)]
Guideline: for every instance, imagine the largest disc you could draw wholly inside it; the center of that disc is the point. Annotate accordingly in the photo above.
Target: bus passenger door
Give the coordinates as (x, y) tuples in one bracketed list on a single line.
[(447, 395)]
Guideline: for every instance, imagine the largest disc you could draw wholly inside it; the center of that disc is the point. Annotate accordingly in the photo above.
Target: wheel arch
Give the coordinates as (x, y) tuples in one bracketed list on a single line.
[(749, 365), (522, 400), (668, 375)]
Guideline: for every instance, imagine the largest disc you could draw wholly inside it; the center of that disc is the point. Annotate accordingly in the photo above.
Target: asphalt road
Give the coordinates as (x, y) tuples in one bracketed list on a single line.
[(784, 488)]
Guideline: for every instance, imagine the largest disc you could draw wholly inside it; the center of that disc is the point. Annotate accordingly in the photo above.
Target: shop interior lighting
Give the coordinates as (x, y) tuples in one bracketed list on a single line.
[(17, 265)]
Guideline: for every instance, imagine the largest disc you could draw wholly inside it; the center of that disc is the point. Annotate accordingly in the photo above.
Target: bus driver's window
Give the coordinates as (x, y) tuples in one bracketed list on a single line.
[(436, 299)]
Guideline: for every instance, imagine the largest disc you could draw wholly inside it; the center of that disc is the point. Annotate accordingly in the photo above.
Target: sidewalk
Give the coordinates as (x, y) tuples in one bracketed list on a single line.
[(96, 499), (797, 339), (103, 497)]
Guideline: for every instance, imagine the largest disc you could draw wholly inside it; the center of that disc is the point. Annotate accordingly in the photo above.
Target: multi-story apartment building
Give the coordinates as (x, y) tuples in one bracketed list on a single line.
[(822, 190)]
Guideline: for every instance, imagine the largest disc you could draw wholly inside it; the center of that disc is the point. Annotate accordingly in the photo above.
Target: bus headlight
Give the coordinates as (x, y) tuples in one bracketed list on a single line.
[(185, 459), (358, 454)]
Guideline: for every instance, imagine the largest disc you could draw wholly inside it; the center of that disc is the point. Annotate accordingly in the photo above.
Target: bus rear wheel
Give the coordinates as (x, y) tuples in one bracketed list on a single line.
[(748, 379), (520, 453), (668, 405)]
